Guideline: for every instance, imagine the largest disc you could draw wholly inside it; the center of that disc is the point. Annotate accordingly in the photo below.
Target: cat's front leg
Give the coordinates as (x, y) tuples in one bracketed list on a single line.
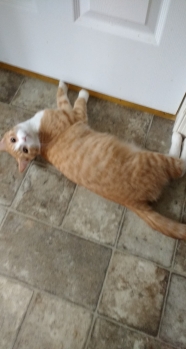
[(80, 106), (84, 94), (62, 98), (63, 86)]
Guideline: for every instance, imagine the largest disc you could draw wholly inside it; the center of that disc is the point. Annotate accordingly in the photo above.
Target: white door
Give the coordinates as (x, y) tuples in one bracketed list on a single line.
[(130, 49)]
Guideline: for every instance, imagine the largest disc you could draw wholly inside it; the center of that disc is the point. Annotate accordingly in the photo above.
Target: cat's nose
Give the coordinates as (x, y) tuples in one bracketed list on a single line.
[(24, 138)]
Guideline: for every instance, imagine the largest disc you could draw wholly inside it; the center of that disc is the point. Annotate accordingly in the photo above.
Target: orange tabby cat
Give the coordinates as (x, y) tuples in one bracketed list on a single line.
[(100, 162)]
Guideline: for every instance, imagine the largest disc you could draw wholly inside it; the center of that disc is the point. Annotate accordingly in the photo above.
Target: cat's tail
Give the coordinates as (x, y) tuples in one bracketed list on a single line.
[(162, 224)]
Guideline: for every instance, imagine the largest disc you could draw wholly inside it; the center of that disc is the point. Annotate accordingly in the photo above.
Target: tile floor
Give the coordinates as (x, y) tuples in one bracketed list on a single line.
[(78, 271)]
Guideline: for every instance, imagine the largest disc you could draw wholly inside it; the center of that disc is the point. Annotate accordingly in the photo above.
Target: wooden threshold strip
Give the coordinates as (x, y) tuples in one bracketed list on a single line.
[(92, 93)]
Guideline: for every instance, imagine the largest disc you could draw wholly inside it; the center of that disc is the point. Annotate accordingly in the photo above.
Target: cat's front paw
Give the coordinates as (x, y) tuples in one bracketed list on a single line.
[(63, 86), (84, 94)]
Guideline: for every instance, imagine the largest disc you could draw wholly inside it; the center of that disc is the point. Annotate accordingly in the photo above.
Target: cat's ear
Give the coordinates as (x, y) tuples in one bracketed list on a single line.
[(23, 164), (2, 145)]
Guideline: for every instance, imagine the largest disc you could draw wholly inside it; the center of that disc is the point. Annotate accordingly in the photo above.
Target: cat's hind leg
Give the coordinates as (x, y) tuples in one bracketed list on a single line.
[(80, 106), (62, 98), (175, 149)]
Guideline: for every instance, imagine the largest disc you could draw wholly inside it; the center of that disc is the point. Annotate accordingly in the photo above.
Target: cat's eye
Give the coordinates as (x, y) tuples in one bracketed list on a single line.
[(13, 140), (25, 150)]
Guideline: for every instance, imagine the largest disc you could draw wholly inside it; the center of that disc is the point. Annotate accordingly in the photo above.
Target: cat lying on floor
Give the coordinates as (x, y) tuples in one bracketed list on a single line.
[(98, 161)]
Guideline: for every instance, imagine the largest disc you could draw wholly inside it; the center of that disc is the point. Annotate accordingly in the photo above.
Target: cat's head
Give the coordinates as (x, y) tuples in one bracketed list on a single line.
[(24, 146)]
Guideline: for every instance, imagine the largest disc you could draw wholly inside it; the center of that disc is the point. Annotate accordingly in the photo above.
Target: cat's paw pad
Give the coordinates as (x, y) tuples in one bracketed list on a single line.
[(63, 86), (84, 94)]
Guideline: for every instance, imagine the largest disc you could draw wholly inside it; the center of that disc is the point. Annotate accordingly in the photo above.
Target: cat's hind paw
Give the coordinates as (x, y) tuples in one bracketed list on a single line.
[(176, 145), (183, 152), (84, 94), (63, 86)]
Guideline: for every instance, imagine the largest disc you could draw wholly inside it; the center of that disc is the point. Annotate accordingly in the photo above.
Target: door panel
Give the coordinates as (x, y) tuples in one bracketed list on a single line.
[(129, 49), (140, 20)]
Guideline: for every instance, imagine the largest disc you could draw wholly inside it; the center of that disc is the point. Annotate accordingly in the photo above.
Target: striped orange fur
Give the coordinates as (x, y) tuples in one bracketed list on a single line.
[(100, 162)]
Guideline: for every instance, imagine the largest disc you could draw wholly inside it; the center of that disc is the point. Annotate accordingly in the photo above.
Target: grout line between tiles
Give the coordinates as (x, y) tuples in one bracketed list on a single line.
[(104, 282), (135, 330), (5, 216), (146, 136), (164, 304), (58, 228), (29, 111), (15, 94), (171, 272), (69, 205), (19, 186), (23, 320), (130, 253), (120, 227), (167, 290), (9, 208), (42, 291), (54, 170), (101, 316), (18, 107), (111, 247)]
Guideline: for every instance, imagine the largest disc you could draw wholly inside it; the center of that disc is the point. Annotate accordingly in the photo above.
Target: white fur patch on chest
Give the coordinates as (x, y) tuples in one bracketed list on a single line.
[(28, 132), (35, 121)]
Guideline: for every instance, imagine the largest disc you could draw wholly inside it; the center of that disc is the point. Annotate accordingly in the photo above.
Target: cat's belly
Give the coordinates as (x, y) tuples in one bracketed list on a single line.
[(109, 181), (105, 166)]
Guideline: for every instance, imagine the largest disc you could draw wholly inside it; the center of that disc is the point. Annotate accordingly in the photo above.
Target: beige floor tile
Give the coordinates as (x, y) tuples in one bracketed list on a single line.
[(44, 194), (174, 321), (52, 260), (9, 83), (54, 324), (139, 239), (128, 124), (159, 136), (11, 116), (93, 217), (35, 95), (14, 301), (134, 292), (107, 335), (180, 259), (10, 178)]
